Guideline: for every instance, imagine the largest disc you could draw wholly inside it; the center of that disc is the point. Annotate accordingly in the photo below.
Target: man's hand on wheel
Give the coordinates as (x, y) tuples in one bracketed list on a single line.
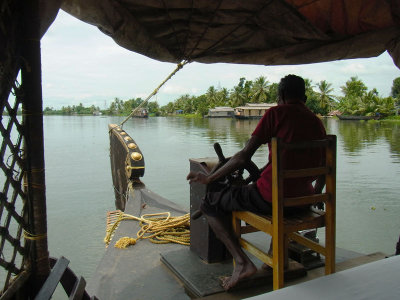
[(197, 177)]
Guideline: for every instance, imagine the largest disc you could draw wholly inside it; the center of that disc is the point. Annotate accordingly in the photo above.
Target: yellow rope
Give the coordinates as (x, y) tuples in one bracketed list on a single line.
[(34, 237), (159, 228)]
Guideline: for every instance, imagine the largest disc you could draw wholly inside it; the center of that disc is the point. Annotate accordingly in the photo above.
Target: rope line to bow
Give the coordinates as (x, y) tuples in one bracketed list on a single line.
[(178, 67)]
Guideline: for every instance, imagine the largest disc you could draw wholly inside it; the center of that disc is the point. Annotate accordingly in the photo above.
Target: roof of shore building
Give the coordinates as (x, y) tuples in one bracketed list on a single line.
[(257, 106), (221, 108)]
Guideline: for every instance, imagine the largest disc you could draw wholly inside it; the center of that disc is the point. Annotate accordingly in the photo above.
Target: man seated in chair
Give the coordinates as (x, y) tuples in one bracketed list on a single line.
[(291, 121)]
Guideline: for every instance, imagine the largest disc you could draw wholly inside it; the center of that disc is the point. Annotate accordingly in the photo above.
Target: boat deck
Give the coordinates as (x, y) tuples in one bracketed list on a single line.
[(375, 280), (139, 273)]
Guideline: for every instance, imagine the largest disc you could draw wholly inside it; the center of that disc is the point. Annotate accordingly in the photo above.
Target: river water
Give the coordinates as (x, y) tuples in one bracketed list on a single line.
[(80, 191)]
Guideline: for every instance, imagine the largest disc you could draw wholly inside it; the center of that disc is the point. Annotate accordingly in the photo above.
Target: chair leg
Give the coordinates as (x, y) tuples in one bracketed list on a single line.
[(286, 260), (236, 226), (330, 236), (330, 251), (236, 230), (286, 253), (278, 259)]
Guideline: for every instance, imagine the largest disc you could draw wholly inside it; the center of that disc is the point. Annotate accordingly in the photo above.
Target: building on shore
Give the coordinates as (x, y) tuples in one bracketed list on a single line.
[(221, 112), (252, 110)]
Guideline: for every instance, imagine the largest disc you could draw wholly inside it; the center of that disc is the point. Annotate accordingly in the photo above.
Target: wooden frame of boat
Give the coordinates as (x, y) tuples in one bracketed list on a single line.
[(137, 273)]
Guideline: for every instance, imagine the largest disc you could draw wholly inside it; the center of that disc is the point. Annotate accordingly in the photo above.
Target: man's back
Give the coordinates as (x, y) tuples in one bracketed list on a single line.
[(291, 123)]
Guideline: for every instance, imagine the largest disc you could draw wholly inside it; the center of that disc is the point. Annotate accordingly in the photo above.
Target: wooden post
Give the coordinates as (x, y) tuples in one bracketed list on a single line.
[(33, 144), (278, 242), (330, 209)]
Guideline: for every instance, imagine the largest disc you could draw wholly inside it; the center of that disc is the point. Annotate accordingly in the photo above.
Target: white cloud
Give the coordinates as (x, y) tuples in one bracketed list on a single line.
[(174, 89), (354, 68), (80, 64)]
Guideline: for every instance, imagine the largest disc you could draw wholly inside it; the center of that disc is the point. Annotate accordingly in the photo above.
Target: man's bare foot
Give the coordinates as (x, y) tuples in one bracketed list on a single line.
[(241, 271)]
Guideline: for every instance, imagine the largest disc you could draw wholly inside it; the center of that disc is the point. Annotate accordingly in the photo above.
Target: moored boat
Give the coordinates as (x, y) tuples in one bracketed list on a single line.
[(252, 110), (141, 113), (355, 118)]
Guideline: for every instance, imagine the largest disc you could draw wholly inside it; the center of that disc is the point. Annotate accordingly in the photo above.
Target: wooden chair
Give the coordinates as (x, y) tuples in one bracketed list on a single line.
[(284, 228), (60, 272)]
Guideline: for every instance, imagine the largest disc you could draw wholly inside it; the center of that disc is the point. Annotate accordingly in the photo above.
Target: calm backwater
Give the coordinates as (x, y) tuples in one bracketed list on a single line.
[(80, 191)]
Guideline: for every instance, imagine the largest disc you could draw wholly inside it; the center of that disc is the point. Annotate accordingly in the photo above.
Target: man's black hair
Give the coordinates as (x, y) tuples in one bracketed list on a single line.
[(292, 87)]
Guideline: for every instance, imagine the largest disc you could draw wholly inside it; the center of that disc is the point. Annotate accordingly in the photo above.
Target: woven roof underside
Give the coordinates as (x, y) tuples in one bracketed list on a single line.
[(273, 32)]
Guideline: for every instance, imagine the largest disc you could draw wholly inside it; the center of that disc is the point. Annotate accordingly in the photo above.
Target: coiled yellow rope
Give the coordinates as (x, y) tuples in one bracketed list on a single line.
[(159, 228)]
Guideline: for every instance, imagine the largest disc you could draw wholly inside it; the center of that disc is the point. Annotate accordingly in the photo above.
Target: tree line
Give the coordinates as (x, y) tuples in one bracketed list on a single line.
[(356, 100)]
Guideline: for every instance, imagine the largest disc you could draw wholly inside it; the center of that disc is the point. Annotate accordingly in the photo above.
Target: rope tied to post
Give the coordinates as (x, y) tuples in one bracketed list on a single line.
[(34, 237), (158, 228)]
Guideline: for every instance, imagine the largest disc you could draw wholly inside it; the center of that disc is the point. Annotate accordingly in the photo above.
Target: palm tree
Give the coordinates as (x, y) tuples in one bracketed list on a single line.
[(237, 97), (272, 96), (351, 105), (324, 96), (395, 93), (169, 108), (312, 97), (184, 103), (259, 90), (211, 96), (247, 91), (354, 87), (308, 85), (222, 97)]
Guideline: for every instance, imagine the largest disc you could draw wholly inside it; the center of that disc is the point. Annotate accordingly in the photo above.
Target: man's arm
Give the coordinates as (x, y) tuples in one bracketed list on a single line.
[(237, 161)]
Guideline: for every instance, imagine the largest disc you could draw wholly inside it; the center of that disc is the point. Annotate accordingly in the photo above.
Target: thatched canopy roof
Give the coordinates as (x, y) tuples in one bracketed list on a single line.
[(269, 32)]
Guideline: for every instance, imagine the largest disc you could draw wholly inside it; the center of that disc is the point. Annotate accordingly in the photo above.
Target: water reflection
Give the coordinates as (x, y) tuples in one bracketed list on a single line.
[(357, 135), (354, 135)]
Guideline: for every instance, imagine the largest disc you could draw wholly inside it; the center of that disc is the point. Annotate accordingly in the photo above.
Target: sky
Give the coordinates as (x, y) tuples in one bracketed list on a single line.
[(82, 65)]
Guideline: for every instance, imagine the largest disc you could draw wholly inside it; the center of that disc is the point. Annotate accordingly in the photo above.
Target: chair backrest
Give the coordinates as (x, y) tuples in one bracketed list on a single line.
[(327, 148), (284, 229)]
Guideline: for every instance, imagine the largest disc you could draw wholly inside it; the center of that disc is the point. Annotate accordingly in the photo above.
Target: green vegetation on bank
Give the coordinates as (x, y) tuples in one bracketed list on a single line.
[(392, 118), (356, 100)]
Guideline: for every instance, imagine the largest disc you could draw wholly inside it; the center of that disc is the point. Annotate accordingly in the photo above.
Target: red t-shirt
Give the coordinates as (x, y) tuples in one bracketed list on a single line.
[(292, 123)]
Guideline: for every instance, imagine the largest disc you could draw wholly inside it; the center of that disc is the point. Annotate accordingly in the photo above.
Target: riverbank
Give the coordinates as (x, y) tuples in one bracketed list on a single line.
[(394, 118)]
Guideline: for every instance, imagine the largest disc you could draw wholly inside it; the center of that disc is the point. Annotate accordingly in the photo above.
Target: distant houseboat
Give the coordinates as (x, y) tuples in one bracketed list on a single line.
[(141, 113), (252, 110), (221, 112), (352, 118)]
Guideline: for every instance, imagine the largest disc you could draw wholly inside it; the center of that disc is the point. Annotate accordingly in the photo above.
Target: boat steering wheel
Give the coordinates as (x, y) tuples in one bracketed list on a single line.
[(237, 176)]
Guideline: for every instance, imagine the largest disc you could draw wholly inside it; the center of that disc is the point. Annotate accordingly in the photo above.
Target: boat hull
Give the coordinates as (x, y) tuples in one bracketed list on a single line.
[(355, 118), (248, 117)]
